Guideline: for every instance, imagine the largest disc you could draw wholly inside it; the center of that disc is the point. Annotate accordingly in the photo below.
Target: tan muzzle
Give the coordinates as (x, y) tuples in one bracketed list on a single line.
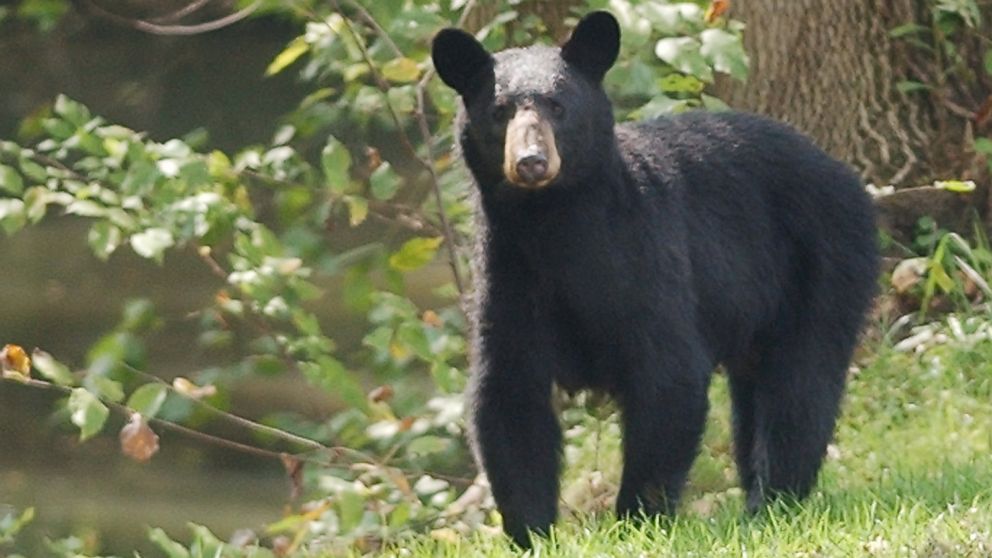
[(530, 156)]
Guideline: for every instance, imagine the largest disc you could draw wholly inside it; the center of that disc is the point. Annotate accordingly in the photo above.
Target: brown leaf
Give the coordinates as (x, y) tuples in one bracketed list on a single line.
[(15, 362), (374, 157), (138, 440), (381, 393), (431, 318), (294, 469), (717, 8), (908, 273)]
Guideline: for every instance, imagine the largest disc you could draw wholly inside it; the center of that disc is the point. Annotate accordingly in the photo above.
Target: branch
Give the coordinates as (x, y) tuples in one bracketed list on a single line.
[(156, 29)]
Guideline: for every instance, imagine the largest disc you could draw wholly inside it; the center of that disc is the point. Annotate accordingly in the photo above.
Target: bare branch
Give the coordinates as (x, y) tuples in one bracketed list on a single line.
[(156, 29)]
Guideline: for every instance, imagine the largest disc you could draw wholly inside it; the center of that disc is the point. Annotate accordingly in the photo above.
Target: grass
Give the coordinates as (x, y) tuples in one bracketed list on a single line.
[(910, 474)]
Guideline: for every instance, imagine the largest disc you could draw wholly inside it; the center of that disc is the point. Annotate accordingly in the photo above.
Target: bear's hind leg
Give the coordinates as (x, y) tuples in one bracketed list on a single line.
[(796, 397), (663, 423), (742, 396)]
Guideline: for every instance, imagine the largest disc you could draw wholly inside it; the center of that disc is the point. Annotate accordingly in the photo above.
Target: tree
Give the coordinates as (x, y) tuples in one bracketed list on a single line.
[(897, 88)]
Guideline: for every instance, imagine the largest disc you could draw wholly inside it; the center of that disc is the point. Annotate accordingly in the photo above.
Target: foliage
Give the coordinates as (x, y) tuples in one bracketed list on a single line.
[(368, 150)]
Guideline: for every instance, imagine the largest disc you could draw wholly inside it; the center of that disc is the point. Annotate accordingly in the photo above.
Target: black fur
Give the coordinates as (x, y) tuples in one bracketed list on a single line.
[(661, 250)]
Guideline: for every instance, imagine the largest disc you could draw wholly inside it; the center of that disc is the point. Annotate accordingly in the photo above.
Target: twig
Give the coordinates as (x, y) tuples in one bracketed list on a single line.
[(155, 29), (353, 456), (181, 12)]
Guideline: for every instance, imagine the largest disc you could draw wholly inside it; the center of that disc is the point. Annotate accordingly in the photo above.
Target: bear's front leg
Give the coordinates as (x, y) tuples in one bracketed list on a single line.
[(514, 429), (518, 440), (664, 413)]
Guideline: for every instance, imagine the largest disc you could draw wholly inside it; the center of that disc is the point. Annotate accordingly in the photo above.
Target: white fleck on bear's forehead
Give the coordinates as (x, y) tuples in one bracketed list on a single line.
[(536, 69)]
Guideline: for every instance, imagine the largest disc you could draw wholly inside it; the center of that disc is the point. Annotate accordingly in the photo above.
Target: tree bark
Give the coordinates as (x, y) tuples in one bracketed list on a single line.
[(832, 69)]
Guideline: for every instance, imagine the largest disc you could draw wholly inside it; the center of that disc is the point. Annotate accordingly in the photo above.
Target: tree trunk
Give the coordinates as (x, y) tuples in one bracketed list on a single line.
[(833, 70)]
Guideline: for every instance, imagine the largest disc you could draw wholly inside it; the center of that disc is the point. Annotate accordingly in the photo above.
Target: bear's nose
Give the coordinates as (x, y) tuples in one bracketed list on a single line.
[(533, 168)]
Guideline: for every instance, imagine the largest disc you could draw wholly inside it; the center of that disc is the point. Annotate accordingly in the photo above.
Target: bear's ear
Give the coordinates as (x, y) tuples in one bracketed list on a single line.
[(459, 59), (594, 45)]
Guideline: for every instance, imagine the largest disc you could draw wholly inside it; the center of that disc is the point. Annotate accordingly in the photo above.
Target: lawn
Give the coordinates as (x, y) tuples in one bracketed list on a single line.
[(909, 474)]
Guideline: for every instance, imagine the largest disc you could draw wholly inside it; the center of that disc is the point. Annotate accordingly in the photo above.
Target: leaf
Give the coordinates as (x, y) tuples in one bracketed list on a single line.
[(725, 52), (191, 390), (104, 387), (11, 181), (908, 86), (15, 363), (295, 49), (401, 70), (716, 9), (85, 208), (983, 146), (152, 243), (88, 413), (171, 548), (53, 370), (957, 186), (72, 111), (426, 445), (683, 53), (103, 239), (358, 209), (329, 374), (336, 161), (33, 170), (138, 440), (12, 216), (415, 253), (148, 399), (384, 182)]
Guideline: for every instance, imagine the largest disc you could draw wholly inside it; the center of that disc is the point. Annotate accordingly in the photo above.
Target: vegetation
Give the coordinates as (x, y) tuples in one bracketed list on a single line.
[(368, 154)]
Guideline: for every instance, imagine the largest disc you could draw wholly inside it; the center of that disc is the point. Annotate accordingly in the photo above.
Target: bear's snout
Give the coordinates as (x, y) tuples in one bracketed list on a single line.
[(530, 156)]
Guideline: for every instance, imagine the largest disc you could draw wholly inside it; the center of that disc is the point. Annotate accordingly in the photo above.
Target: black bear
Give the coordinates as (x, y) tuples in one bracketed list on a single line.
[(634, 259)]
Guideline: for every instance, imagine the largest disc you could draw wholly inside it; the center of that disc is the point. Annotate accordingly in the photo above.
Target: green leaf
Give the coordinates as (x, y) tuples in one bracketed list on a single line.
[(329, 374), (412, 335), (401, 70), (53, 370), (104, 387), (351, 506), (957, 186), (148, 399), (72, 111), (152, 243), (426, 445), (11, 181), (908, 86), (683, 53), (88, 413), (12, 216), (983, 146), (725, 52), (988, 61), (33, 170), (103, 239), (295, 49), (415, 253), (358, 209), (85, 208), (171, 548), (384, 181), (336, 161)]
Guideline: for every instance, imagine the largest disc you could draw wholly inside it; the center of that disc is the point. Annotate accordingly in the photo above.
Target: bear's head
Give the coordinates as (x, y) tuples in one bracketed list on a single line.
[(534, 117)]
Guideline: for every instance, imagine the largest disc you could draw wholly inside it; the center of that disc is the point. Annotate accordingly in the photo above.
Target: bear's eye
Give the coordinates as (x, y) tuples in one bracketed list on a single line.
[(557, 110), (502, 112)]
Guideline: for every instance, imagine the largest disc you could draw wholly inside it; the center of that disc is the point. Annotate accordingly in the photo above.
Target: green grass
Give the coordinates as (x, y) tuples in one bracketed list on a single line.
[(910, 474)]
